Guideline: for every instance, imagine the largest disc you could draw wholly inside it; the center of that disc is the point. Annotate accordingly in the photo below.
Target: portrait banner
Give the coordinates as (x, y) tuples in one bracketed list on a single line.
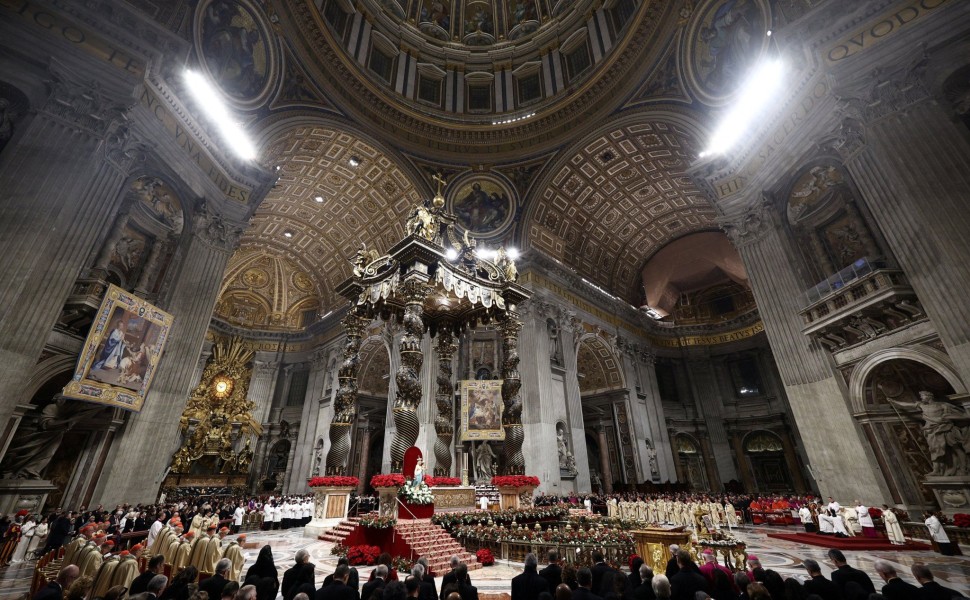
[(121, 353), (481, 410)]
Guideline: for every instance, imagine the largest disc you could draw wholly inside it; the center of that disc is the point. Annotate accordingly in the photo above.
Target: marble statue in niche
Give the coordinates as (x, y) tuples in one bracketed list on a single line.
[(484, 462), (945, 429), (567, 462), (40, 435), (555, 342), (652, 461)]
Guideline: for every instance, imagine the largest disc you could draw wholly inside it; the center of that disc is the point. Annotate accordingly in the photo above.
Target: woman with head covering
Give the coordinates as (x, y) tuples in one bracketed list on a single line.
[(183, 585), (263, 574)]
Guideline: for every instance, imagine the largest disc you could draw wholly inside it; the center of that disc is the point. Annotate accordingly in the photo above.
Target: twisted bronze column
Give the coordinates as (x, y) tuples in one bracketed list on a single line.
[(444, 423), (511, 383), (408, 374), (345, 404)]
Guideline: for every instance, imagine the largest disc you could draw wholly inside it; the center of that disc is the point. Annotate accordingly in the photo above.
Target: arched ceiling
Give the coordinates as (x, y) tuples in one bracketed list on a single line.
[(266, 291), (615, 199), (323, 208), (598, 367)]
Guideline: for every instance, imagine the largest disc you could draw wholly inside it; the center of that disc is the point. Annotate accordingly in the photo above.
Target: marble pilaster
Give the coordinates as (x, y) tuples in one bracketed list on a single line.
[(817, 397), (710, 405), (142, 450), (262, 384), (60, 182), (306, 440)]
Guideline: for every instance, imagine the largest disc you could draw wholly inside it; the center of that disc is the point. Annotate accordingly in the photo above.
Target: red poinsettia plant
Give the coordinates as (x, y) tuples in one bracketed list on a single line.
[(333, 481), (485, 557), (363, 554), (439, 481), (386, 480), (515, 481), (961, 520)]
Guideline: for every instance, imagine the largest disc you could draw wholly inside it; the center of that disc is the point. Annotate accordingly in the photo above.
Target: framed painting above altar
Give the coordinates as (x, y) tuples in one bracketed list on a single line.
[(481, 410), (121, 353)]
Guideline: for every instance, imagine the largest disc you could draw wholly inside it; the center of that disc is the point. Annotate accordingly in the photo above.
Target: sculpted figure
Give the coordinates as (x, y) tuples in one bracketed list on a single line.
[(38, 438), (947, 439), (483, 461)]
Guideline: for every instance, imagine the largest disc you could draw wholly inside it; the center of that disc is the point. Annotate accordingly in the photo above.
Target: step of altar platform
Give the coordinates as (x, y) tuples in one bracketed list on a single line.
[(435, 544), (339, 532)]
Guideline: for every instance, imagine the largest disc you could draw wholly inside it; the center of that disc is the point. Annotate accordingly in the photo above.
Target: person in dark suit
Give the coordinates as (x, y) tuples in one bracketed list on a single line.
[(296, 576), (449, 577), (213, 585), (155, 588), (380, 577), (426, 591), (465, 589), (428, 576), (529, 584), (59, 534), (931, 590), (140, 584), (895, 588), (338, 588), (644, 591), (553, 572), (599, 569), (353, 578), (688, 580), (819, 585), (843, 573), (634, 576), (584, 589), (55, 589), (672, 567)]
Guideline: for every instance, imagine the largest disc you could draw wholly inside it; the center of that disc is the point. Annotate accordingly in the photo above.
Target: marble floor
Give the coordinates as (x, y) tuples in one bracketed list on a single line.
[(780, 555)]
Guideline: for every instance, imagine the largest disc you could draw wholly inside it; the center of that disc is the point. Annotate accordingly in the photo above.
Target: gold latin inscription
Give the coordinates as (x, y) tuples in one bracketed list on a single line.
[(878, 30), (195, 152)]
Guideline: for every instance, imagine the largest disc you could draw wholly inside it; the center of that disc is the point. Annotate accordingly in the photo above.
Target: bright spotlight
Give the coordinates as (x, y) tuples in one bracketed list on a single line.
[(210, 101), (451, 254), (758, 90), (513, 253)]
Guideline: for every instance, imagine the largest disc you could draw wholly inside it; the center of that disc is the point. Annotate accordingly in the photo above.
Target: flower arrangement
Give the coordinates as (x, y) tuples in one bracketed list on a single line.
[(377, 522), (567, 536), (387, 480), (439, 481), (416, 494), (515, 481), (961, 520), (333, 481), (402, 564), (363, 554), (485, 557), (339, 550), (506, 516)]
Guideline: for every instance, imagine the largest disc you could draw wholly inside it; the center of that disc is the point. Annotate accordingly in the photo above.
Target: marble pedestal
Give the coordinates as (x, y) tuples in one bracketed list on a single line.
[(330, 506), (24, 494), (952, 493)]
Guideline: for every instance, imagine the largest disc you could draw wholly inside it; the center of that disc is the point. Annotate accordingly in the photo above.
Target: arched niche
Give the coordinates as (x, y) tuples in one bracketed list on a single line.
[(765, 451), (828, 222), (693, 467), (896, 437), (276, 465)]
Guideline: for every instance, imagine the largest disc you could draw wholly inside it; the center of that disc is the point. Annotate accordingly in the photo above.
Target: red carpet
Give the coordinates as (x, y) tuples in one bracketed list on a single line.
[(851, 543)]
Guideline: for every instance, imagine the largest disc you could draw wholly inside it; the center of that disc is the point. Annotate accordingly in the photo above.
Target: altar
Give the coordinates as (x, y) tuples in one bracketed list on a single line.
[(653, 545)]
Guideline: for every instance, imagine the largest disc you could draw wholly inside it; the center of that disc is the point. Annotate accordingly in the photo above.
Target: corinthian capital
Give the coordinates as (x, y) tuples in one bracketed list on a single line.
[(750, 226), (82, 103), (213, 230)]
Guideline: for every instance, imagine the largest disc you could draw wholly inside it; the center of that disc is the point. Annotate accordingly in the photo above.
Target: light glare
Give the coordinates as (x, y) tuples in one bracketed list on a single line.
[(451, 254), (759, 89), (210, 101)]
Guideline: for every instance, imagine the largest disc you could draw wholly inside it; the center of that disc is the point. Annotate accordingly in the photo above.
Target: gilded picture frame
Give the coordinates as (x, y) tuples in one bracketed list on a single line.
[(121, 353), (481, 410)]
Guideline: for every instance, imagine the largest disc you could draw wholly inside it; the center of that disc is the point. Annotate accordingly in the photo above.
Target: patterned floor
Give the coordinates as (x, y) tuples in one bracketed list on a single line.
[(782, 556)]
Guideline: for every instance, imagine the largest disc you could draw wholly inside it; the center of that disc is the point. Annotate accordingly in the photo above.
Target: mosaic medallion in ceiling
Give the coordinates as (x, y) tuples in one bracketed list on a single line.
[(619, 197), (598, 367), (261, 291), (323, 207)]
